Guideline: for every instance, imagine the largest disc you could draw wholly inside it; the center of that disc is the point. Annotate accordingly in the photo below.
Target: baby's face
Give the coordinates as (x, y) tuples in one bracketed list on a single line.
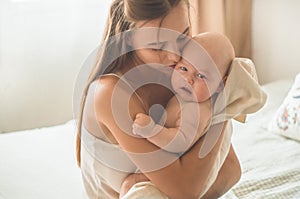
[(189, 83), (196, 77)]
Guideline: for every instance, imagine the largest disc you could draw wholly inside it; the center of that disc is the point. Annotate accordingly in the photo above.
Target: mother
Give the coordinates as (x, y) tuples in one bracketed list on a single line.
[(103, 142)]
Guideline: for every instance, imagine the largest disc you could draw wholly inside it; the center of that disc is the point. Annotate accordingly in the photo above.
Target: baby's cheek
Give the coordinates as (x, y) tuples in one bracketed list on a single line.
[(176, 78), (203, 92)]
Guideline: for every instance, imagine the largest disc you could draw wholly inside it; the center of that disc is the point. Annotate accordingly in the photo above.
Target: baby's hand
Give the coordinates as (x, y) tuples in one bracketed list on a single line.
[(144, 126), (142, 119)]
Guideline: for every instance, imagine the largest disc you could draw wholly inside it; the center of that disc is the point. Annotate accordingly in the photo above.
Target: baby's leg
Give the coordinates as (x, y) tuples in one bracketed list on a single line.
[(138, 186), (131, 180), (144, 190)]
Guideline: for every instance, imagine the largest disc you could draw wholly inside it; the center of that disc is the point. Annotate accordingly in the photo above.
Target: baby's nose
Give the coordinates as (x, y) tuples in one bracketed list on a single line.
[(189, 79)]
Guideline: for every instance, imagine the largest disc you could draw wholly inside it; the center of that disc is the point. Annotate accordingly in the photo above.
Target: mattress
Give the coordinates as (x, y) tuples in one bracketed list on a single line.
[(40, 163), (270, 163)]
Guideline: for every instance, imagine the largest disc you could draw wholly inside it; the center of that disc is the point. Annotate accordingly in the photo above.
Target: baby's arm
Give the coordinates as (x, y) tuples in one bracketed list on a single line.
[(155, 133), (195, 120), (180, 137)]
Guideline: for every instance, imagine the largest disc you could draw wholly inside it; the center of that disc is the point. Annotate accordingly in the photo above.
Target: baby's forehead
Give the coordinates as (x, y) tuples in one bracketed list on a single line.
[(196, 55), (199, 64), (194, 51), (192, 44)]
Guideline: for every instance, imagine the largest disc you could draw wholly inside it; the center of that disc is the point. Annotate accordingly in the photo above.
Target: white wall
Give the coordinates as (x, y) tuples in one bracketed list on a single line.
[(42, 46), (44, 42), (276, 38)]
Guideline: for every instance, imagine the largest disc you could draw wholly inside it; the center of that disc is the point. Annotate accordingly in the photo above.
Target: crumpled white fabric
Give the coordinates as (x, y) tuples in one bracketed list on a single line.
[(241, 95)]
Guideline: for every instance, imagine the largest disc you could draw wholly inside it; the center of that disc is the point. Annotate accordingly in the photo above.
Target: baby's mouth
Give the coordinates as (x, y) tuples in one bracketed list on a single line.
[(187, 90)]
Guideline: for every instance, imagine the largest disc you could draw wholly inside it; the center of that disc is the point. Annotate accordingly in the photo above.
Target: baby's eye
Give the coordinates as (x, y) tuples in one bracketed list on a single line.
[(199, 75), (183, 68)]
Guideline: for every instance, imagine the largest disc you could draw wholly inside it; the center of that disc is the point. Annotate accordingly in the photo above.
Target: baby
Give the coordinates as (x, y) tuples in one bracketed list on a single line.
[(186, 121)]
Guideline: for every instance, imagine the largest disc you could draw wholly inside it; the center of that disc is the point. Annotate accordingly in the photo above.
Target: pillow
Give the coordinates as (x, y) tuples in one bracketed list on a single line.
[(286, 121)]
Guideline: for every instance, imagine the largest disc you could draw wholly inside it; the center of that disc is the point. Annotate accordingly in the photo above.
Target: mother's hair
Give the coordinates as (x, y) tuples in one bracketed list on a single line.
[(123, 16)]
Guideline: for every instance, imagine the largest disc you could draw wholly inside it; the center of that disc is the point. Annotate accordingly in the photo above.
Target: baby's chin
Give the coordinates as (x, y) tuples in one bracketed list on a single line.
[(191, 98), (187, 98)]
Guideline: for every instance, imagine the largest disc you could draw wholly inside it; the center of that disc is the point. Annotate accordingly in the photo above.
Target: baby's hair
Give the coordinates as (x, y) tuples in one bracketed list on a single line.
[(219, 48)]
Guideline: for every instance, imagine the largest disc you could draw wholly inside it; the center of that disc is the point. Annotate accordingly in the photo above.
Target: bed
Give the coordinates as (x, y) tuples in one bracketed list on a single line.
[(270, 162), (40, 163)]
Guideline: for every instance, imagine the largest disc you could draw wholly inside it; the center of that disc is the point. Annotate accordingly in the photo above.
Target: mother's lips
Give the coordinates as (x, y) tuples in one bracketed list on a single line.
[(172, 66)]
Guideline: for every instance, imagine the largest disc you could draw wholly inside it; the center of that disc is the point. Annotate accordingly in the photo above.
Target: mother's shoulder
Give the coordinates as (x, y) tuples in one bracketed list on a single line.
[(106, 85), (105, 90), (108, 81)]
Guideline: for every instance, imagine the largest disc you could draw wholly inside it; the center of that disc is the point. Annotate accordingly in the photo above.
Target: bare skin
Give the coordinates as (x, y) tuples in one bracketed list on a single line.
[(195, 86), (130, 181), (188, 181), (187, 176), (223, 183)]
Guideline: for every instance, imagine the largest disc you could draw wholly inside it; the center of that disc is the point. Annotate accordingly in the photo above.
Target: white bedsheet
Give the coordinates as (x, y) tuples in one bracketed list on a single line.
[(270, 162), (40, 163)]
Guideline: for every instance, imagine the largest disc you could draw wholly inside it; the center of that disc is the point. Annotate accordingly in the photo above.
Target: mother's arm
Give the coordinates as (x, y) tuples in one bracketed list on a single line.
[(185, 177), (191, 177), (228, 176)]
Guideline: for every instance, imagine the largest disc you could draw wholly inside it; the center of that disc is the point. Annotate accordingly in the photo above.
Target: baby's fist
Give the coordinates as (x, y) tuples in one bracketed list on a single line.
[(142, 119), (143, 125)]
